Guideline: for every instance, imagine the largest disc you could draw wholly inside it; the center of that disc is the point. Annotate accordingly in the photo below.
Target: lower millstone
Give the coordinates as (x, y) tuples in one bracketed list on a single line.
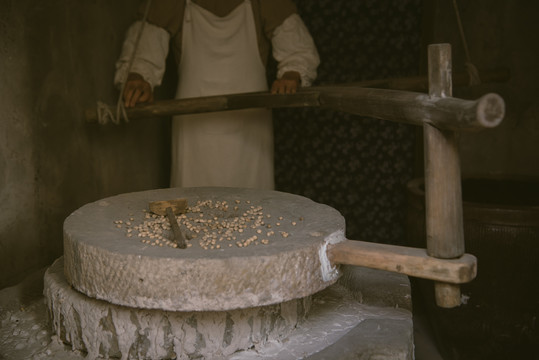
[(102, 328)]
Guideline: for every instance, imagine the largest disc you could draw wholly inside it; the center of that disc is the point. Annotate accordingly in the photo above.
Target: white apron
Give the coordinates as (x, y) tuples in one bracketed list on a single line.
[(232, 148)]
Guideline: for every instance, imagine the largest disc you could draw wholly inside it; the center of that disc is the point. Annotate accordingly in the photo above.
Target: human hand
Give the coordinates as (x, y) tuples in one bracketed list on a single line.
[(137, 90), (287, 84)]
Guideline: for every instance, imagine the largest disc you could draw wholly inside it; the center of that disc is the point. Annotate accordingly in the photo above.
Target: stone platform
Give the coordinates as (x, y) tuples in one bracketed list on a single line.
[(365, 315), (262, 248)]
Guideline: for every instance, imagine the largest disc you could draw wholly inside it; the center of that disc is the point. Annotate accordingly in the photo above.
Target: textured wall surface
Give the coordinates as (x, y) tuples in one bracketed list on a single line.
[(56, 60), (17, 173), (358, 165)]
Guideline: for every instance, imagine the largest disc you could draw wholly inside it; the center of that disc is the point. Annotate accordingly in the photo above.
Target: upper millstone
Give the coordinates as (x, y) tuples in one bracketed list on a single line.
[(277, 256)]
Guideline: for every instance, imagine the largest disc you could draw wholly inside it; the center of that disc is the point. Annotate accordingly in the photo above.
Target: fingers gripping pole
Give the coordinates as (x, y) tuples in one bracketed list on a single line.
[(104, 113), (443, 195)]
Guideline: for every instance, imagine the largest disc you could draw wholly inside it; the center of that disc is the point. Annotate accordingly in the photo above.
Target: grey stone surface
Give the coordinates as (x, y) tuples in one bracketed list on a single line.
[(101, 262), (377, 287), (388, 333), (380, 339)]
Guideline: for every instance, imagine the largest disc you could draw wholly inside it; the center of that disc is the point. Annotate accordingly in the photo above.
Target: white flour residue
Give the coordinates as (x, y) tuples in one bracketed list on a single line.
[(333, 314), (329, 272)]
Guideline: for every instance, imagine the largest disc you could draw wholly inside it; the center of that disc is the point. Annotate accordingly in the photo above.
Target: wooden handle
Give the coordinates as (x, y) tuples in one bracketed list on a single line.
[(416, 108), (178, 236), (178, 206), (405, 260)]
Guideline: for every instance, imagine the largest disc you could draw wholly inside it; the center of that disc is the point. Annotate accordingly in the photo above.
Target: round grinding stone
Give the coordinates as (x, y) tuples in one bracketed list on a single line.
[(247, 248)]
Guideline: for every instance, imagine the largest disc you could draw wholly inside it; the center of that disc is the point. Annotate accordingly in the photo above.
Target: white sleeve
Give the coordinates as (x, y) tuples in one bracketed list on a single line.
[(294, 49), (150, 59)]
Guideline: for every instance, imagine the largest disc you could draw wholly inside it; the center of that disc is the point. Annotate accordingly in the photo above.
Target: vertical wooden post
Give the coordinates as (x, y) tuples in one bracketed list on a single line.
[(443, 194)]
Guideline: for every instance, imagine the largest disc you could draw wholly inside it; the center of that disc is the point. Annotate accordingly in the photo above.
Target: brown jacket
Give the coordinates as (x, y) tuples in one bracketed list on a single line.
[(268, 14)]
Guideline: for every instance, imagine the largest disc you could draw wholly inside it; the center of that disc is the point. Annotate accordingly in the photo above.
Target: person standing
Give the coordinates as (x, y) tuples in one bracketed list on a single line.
[(221, 47)]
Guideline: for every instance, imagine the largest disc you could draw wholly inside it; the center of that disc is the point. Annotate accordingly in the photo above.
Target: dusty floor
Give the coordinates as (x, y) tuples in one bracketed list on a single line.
[(25, 332)]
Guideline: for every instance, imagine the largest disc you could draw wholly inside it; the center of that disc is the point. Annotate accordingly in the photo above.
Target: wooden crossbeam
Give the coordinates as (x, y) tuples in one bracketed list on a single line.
[(400, 106)]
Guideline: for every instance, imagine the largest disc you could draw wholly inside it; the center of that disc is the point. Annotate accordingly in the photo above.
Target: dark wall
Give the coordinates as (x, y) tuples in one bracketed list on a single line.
[(359, 166), (499, 33)]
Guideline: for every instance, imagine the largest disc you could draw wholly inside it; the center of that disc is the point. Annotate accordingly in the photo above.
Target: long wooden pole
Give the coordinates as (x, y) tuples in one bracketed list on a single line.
[(399, 106)]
